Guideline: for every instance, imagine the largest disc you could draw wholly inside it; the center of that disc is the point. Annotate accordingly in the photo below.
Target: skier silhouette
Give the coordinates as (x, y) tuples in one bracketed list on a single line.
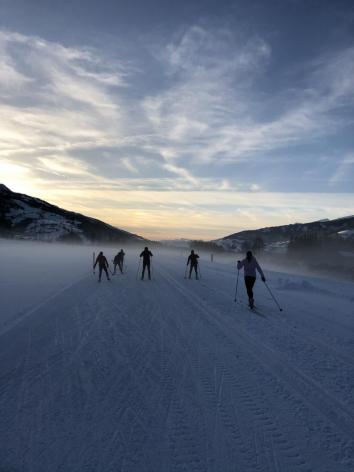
[(146, 255), (250, 265), (102, 265), (118, 261), (193, 261)]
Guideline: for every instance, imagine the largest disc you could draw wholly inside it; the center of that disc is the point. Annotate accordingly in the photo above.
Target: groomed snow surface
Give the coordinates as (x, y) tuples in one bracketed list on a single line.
[(170, 375)]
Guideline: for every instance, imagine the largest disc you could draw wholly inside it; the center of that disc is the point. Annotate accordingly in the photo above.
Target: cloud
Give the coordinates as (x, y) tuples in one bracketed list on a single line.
[(75, 119), (209, 110), (59, 95), (62, 165), (344, 171), (215, 110)]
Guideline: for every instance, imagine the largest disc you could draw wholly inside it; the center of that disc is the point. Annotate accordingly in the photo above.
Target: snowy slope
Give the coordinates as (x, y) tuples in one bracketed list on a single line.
[(276, 238), (172, 375), (25, 217)]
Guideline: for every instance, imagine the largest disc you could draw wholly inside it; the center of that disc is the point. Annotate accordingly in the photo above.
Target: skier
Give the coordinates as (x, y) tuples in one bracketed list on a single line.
[(118, 261), (115, 263), (121, 255), (102, 265), (146, 255), (250, 265), (193, 261)]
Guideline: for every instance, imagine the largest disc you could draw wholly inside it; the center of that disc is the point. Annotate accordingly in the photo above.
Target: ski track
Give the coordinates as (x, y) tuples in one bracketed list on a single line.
[(171, 375)]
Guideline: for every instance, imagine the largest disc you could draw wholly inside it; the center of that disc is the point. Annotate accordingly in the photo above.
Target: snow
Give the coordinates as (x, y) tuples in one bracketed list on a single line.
[(348, 233), (46, 226), (170, 375)]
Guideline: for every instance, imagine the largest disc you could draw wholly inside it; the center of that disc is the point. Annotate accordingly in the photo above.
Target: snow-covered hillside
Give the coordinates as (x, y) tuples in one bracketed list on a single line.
[(171, 375), (25, 217), (277, 238)]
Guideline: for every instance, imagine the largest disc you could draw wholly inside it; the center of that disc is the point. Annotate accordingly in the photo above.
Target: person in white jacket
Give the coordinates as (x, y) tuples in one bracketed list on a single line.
[(250, 266)]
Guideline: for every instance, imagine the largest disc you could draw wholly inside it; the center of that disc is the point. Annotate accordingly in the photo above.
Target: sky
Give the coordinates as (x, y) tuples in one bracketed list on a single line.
[(188, 119)]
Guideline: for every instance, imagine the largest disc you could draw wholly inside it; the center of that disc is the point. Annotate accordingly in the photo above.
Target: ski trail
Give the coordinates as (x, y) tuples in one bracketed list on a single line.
[(13, 322), (311, 394), (165, 376), (341, 419), (287, 334)]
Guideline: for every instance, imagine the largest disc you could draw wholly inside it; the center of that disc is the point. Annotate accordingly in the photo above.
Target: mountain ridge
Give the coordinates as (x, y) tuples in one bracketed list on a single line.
[(26, 217), (280, 236)]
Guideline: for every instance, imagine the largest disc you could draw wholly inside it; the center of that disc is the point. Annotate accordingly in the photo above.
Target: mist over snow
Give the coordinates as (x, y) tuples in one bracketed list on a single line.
[(142, 375)]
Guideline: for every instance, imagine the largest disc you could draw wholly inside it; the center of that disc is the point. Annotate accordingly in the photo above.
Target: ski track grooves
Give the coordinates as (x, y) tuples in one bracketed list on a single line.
[(310, 390), (341, 364), (138, 376), (312, 396)]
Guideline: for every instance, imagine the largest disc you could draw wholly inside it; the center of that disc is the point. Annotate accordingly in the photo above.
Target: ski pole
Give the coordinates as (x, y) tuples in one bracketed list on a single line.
[(238, 273), (137, 272), (275, 300)]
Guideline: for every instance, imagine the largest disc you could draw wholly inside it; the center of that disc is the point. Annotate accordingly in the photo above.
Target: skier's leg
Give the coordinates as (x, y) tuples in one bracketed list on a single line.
[(248, 288), (105, 269), (114, 269), (190, 271), (252, 282), (120, 267), (196, 271), (249, 281), (148, 266), (142, 275), (99, 273)]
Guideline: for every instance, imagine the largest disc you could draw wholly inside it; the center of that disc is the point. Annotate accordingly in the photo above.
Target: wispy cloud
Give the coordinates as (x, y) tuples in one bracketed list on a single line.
[(344, 171), (72, 117)]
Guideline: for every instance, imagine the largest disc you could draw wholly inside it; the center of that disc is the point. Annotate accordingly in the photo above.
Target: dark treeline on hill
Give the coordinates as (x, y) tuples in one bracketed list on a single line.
[(322, 247), (323, 254), (285, 233), (25, 217), (304, 243), (256, 245), (313, 242), (207, 246)]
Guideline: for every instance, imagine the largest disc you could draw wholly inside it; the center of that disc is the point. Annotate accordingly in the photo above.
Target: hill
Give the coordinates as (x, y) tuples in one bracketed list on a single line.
[(25, 217), (277, 238)]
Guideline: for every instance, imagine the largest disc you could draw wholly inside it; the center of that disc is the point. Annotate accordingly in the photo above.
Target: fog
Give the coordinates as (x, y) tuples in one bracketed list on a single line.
[(34, 272)]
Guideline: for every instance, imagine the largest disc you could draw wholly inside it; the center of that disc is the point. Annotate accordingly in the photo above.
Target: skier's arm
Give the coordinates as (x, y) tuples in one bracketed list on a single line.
[(106, 262), (189, 258), (240, 264), (151, 254), (260, 271), (94, 265), (141, 255)]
